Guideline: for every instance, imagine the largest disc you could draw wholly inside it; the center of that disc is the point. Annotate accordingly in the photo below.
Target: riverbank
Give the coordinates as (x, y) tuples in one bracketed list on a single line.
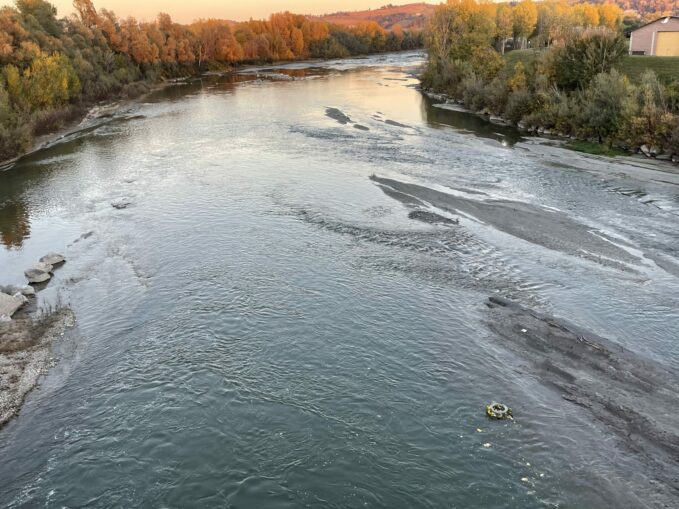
[(25, 346), (89, 116), (27, 331), (550, 144)]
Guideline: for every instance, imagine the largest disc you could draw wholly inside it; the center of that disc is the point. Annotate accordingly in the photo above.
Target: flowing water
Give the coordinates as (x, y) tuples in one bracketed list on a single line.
[(291, 311)]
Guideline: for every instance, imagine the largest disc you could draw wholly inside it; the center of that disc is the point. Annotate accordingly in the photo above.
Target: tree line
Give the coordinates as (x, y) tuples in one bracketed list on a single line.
[(568, 83), (52, 67)]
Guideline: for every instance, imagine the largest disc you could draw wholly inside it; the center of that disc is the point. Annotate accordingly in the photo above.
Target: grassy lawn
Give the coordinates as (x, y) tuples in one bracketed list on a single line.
[(594, 148), (520, 55), (666, 68)]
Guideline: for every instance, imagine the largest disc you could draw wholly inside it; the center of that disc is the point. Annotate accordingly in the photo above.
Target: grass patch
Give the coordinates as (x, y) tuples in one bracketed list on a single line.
[(525, 56), (633, 66), (597, 149), (666, 68)]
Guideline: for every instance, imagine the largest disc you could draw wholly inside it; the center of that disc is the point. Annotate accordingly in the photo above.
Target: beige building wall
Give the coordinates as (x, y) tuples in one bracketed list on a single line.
[(644, 41)]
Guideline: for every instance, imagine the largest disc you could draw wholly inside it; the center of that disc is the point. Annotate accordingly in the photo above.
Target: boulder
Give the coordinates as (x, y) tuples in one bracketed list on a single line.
[(9, 304), (37, 276), (25, 290), (645, 149), (664, 157), (53, 259), (45, 267)]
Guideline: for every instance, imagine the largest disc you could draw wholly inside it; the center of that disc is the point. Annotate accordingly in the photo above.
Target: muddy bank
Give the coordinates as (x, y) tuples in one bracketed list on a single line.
[(25, 355), (634, 397), (634, 166), (538, 225)]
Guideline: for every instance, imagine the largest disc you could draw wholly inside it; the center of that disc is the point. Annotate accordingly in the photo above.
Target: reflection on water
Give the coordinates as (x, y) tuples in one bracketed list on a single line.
[(469, 122), (15, 225)]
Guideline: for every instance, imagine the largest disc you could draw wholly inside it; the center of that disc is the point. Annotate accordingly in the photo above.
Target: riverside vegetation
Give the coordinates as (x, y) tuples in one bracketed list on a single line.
[(568, 78), (53, 68)]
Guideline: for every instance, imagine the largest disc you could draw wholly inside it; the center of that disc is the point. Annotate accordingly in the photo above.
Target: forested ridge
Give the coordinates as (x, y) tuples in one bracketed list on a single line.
[(53, 68), (555, 67)]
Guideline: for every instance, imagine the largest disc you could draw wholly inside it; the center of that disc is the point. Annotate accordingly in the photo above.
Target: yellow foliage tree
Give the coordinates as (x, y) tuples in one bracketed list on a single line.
[(525, 20)]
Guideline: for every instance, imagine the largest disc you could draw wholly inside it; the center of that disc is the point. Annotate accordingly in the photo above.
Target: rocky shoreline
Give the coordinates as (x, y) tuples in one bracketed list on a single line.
[(456, 105), (26, 334)]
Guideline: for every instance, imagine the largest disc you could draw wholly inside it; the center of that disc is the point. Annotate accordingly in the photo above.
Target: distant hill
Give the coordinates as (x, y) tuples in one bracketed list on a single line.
[(410, 16)]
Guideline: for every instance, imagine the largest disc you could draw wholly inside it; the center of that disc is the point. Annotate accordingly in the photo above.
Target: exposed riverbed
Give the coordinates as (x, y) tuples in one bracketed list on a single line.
[(282, 299)]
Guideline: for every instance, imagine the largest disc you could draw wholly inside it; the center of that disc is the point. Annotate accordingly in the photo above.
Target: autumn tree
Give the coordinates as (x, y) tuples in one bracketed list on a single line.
[(86, 12), (610, 15), (504, 23), (525, 20)]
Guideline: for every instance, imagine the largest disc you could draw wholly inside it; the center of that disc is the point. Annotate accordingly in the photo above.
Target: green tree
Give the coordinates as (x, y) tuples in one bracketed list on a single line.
[(609, 106), (43, 12), (582, 58), (652, 124)]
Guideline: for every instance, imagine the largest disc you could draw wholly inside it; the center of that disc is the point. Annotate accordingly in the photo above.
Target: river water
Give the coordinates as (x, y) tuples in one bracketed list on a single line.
[(265, 325)]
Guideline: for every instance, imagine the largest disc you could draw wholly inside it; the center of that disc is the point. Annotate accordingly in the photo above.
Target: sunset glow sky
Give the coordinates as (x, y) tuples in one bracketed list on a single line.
[(188, 10)]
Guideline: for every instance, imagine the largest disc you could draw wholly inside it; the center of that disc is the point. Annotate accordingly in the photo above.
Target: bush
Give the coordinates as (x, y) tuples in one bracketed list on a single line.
[(520, 104), (473, 93), (45, 121), (673, 145), (608, 107), (497, 94), (591, 53)]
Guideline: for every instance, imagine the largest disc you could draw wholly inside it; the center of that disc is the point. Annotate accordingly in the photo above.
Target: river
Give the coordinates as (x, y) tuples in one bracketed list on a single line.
[(292, 310)]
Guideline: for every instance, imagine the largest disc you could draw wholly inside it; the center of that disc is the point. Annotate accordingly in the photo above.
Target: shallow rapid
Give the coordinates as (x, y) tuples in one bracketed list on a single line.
[(318, 281)]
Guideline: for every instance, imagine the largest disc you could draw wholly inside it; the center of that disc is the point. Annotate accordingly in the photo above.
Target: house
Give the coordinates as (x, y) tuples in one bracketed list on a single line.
[(659, 38)]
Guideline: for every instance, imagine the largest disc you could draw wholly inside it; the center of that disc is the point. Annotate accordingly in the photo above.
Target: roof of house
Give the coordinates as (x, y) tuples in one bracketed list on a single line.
[(664, 18)]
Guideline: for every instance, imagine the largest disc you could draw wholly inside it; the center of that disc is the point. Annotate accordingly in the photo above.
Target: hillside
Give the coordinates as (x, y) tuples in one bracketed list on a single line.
[(389, 17)]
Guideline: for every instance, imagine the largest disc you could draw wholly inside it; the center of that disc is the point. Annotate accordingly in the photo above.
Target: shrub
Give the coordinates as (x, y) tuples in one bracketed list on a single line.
[(520, 104), (673, 145), (473, 92), (582, 58), (609, 106), (497, 94)]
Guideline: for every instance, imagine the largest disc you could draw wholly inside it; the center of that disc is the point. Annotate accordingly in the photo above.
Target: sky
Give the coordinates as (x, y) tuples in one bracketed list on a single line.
[(184, 11)]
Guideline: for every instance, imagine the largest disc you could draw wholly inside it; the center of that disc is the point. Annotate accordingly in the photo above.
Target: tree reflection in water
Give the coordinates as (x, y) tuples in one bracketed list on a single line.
[(15, 225)]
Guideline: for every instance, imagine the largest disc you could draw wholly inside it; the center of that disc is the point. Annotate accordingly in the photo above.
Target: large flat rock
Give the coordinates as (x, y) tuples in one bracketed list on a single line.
[(9, 305)]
